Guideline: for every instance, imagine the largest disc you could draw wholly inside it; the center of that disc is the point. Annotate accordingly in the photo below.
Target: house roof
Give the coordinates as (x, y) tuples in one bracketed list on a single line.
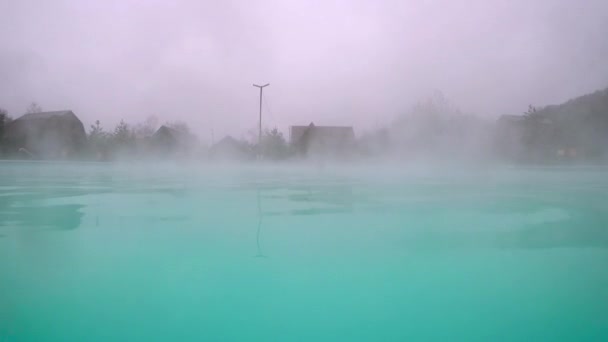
[(163, 130), (46, 115), (48, 134), (229, 143), (335, 132), (229, 147), (169, 132), (227, 140)]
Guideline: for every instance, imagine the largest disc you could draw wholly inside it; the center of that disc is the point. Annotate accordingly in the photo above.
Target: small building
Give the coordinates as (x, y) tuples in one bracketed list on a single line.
[(47, 135), (231, 149), (312, 140), (168, 140)]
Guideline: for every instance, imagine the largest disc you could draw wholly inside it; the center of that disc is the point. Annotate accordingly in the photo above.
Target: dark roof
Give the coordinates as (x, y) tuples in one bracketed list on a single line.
[(228, 140), (46, 115), (231, 148), (47, 134), (296, 132), (229, 143), (335, 132), (166, 132)]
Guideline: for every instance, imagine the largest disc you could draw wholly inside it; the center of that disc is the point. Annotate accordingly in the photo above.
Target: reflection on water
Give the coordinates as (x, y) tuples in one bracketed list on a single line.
[(583, 230), (29, 211), (514, 213), (177, 218), (64, 217), (168, 253), (311, 200), (259, 230)]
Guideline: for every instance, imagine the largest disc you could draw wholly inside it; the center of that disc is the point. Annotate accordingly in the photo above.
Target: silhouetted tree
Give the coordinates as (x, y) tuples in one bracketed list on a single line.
[(4, 121), (531, 111), (434, 127), (96, 130), (98, 140), (122, 141), (575, 129), (273, 145), (122, 133)]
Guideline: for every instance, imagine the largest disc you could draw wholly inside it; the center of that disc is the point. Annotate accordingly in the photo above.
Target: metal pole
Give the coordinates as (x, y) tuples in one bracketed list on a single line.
[(260, 130), (260, 123)]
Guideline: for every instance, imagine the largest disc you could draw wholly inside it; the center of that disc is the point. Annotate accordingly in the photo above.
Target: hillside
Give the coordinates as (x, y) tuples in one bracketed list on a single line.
[(576, 129)]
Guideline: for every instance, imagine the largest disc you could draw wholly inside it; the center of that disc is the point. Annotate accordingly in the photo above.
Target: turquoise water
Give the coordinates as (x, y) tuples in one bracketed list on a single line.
[(103, 252)]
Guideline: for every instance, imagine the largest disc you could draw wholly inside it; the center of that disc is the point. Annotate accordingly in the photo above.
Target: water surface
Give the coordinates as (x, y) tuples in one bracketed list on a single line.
[(106, 252)]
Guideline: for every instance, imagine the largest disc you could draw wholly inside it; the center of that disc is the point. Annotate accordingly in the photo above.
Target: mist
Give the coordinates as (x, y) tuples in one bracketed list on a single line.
[(415, 170), (353, 63)]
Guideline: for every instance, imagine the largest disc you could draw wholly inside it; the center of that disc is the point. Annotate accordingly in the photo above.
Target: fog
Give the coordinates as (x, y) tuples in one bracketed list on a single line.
[(355, 63), (453, 186)]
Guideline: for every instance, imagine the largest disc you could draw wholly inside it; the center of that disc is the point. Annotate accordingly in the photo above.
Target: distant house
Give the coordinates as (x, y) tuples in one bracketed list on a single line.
[(312, 140), (47, 135), (168, 140), (231, 149)]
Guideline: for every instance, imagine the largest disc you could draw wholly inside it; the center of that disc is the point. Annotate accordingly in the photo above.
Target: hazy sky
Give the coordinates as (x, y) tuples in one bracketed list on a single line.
[(332, 62)]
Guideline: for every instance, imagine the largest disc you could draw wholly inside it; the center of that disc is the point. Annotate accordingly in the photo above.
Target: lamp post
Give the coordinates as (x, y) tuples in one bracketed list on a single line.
[(260, 130)]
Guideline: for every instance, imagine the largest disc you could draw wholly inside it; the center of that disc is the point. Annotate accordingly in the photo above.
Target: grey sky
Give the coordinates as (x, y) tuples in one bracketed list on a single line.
[(332, 62)]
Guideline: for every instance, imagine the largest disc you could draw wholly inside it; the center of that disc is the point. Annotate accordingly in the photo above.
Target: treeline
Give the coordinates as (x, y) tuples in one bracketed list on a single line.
[(95, 143), (576, 129), (176, 140), (5, 120), (127, 141), (573, 131), (145, 140), (432, 129)]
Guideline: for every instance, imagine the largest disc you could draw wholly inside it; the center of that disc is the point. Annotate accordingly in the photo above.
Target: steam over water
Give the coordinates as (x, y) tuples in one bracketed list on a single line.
[(109, 252)]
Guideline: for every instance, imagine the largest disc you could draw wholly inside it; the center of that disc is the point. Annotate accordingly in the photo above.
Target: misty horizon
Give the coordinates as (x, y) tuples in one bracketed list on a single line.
[(356, 63), (423, 170)]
